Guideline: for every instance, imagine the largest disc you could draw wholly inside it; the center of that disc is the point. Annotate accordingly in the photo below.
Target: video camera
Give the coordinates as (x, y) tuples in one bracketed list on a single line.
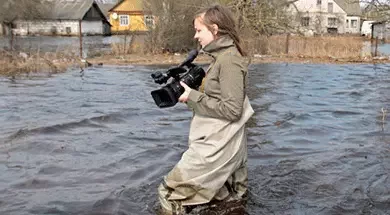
[(169, 95)]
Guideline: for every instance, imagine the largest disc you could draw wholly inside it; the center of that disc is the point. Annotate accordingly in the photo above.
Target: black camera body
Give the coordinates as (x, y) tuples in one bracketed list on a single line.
[(169, 95)]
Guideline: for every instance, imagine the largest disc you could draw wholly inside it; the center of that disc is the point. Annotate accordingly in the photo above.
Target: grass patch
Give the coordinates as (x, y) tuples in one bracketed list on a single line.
[(20, 63), (311, 47), (300, 49)]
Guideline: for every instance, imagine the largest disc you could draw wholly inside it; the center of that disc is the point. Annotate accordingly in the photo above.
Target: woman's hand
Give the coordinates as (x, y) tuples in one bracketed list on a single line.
[(184, 97)]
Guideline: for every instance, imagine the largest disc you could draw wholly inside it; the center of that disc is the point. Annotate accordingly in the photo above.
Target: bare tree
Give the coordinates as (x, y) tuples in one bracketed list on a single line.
[(174, 29), (264, 17), (319, 23), (374, 9), (11, 10)]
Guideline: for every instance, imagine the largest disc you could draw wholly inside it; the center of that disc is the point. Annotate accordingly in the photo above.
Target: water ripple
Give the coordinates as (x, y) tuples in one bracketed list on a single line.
[(97, 144)]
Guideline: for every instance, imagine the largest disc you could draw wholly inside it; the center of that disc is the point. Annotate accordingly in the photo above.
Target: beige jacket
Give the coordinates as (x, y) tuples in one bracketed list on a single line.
[(224, 84)]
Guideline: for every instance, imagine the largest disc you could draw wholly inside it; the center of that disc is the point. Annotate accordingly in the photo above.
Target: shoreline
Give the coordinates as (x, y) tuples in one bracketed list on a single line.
[(172, 59), (31, 65)]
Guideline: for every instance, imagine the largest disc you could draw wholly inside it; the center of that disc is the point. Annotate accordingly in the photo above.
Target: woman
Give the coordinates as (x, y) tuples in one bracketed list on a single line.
[(214, 166)]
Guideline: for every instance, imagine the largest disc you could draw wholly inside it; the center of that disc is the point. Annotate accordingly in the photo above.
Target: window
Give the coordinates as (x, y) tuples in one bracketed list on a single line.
[(319, 2), (353, 23), (124, 20), (347, 23), (149, 21), (332, 21), (68, 30), (330, 7), (53, 30), (305, 21)]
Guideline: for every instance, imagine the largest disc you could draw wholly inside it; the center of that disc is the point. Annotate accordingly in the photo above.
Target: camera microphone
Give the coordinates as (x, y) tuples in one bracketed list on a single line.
[(191, 57)]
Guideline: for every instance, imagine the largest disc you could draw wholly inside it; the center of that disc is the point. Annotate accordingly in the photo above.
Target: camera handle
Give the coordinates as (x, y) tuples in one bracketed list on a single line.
[(162, 78), (187, 62), (175, 72)]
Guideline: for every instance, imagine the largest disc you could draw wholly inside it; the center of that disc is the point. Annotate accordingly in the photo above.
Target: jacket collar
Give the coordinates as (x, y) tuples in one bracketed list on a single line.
[(217, 46)]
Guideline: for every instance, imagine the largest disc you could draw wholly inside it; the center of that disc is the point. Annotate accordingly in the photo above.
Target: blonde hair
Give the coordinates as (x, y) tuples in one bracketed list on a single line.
[(223, 18)]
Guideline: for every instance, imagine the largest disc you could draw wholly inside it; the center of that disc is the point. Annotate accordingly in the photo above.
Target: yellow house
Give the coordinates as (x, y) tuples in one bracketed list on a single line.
[(129, 15)]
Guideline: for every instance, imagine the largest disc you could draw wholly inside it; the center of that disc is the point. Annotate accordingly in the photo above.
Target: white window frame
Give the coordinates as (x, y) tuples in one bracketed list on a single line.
[(305, 21), (332, 21), (354, 23), (150, 19), (124, 18)]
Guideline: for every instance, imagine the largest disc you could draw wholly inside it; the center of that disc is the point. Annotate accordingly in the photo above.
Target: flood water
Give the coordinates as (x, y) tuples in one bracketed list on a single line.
[(95, 143), (94, 45), (90, 44)]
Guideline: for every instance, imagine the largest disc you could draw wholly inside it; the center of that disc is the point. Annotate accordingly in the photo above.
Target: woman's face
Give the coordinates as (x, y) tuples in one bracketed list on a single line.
[(202, 33)]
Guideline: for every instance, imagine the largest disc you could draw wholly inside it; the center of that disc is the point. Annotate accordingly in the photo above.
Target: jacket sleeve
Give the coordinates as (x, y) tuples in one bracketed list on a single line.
[(231, 80)]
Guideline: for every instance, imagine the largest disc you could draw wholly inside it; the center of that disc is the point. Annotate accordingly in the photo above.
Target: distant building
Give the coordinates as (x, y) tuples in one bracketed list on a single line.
[(129, 15), (354, 13), (329, 16), (381, 30), (67, 18)]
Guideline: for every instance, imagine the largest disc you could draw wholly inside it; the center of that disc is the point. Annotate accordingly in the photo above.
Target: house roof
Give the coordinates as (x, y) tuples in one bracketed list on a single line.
[(116, 5), (351, 7), (105, 7), (138, 4), (381, 21), (71, 10)]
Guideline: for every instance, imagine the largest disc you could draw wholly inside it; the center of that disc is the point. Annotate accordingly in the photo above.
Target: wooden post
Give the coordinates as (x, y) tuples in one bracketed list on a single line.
[(81, 39), (11, 42), (11, 38), (376, 47), (287, 42), (124, 47)]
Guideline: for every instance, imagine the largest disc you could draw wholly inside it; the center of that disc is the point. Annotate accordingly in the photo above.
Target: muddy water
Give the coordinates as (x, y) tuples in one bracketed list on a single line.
[(91, 45), (95, 143), (95, 45)]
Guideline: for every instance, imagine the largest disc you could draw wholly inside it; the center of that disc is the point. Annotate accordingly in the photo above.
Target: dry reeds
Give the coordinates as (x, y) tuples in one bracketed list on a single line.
[(313, 47), (14, 63), (121, 48), (129, 45)]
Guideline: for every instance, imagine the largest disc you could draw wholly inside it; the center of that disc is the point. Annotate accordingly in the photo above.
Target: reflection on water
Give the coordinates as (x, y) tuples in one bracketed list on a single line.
[(369, 48), (384, 49), (318, 143), (90, 44)]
